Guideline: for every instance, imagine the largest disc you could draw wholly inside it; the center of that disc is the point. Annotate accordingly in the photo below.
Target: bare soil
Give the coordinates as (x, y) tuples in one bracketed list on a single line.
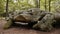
[(23, 30)]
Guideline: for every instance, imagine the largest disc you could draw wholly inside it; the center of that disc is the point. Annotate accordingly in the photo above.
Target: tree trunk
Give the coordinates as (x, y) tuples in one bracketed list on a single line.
[(49, 5), (7, 8), (45, 6), (37, 2)]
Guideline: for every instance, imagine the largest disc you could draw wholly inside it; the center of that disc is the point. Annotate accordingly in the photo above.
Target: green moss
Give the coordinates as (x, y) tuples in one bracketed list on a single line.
[(8, 24)]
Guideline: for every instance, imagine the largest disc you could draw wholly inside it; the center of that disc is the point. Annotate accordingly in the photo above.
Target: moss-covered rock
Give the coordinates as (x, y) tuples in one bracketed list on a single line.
[(46, 23), (8, 24)]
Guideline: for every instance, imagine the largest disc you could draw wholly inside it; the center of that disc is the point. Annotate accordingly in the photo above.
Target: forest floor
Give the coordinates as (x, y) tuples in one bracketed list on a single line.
[(23, 30)]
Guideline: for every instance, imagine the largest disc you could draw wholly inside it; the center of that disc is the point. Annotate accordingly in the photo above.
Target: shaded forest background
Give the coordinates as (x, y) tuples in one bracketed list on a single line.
[(16, 5)]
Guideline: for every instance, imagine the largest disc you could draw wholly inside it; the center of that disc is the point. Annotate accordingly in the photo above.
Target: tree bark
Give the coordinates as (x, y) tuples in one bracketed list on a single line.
[(49, 5), (37, 2), (45, 6), (7, 7)]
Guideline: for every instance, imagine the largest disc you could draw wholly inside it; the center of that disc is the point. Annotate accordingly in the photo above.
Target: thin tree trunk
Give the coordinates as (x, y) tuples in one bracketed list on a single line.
[(6, 9), (45, 6), (37, 2), (49, 5)]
